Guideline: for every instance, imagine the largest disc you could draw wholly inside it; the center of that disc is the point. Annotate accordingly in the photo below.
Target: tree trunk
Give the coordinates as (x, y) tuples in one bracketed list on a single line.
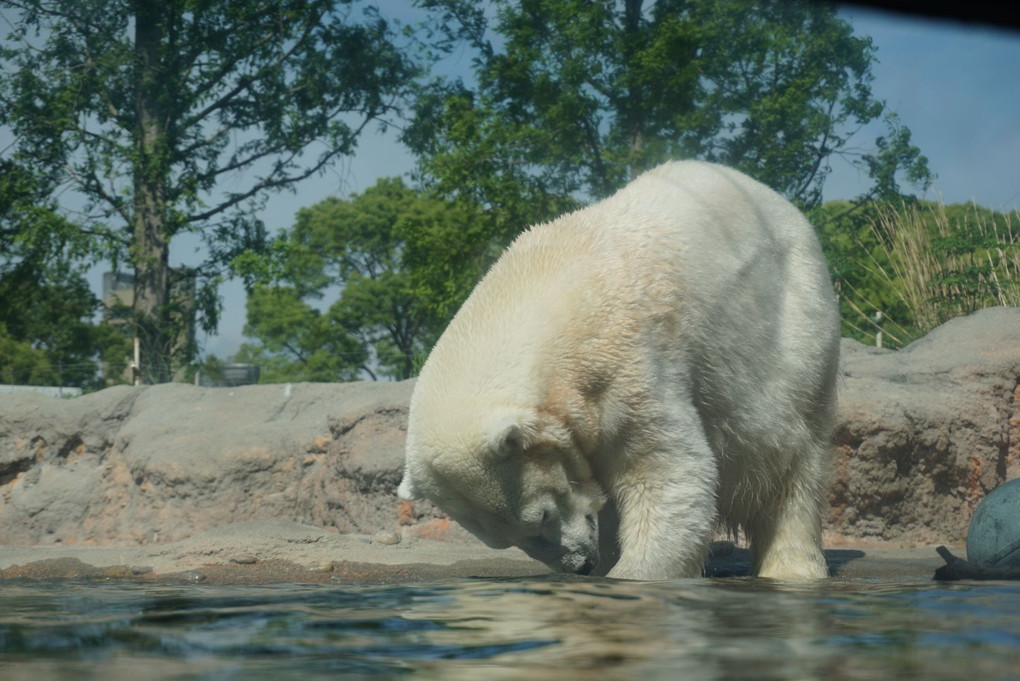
[(150, 242), (633, 107)]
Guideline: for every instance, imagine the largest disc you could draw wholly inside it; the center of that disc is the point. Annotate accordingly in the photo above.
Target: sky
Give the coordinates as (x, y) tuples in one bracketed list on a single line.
[(955, 85)]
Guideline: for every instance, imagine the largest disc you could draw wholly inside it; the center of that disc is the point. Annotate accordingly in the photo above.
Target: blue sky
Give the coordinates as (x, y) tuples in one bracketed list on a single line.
[(955, 85)]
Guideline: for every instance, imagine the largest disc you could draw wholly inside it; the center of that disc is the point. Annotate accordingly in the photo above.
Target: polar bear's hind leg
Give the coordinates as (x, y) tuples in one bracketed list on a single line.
[(786, 536)]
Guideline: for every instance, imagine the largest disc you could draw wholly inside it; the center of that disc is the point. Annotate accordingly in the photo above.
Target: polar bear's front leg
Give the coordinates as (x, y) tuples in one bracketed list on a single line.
[(667, 508)]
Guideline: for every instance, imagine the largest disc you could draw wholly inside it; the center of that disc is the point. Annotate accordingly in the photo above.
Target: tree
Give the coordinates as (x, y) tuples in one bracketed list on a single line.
[(573, 98), (50, 311), (179, 115), (399, 263), (23, 364), (47, 334), (299, 342)]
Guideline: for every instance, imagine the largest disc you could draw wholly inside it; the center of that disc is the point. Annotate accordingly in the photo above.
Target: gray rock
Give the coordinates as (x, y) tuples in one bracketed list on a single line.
[(160, 463), (925, 432), (386, 538)]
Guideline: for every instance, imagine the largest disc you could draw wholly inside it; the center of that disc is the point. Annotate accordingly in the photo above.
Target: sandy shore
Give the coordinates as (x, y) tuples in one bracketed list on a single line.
[(262, 552)]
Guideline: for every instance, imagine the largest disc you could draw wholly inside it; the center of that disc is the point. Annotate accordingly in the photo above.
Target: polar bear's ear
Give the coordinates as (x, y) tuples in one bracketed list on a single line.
[(509, 441), (509, 437)]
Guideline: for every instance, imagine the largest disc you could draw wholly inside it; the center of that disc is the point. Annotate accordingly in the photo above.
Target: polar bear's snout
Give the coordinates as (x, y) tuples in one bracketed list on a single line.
[(579, 563), (589, 554), (575, 549)]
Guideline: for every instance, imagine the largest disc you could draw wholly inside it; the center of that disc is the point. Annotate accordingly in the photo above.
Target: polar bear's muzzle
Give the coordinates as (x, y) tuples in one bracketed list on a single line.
[(561, 559), (577, 552), (585, 568)]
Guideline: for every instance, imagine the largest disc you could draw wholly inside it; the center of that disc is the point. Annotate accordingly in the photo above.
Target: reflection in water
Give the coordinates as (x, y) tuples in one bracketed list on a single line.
[(538, 628)]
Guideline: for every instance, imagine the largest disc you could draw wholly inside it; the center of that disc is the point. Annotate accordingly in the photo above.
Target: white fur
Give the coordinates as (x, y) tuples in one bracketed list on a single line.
[(664, 359)]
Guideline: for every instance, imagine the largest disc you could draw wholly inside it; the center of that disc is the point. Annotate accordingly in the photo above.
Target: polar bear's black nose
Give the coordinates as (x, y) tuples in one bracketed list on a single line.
[(589, 564)]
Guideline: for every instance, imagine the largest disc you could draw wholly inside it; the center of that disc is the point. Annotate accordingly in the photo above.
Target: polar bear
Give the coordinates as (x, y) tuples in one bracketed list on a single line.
[(631, 376)]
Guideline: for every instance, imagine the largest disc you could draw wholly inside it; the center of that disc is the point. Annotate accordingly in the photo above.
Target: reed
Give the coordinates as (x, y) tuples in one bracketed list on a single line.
[(940, 263)]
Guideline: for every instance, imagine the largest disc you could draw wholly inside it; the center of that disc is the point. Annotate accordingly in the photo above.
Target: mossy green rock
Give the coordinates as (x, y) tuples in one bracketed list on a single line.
[(993, 537)]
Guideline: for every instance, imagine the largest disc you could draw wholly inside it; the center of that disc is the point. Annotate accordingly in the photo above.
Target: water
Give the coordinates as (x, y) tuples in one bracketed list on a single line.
[(534, 628)]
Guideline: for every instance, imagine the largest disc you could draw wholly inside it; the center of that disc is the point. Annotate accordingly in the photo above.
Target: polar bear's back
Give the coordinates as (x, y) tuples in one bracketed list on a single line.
[(752, 281), (714, 219), (731, 266), (733, 256)]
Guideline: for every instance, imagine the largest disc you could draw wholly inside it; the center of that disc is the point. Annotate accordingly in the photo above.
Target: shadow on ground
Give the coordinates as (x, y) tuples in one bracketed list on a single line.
[(727, 560)]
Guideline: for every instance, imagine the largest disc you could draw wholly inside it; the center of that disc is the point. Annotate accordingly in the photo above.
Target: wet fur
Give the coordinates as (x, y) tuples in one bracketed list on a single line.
[(673, 347)]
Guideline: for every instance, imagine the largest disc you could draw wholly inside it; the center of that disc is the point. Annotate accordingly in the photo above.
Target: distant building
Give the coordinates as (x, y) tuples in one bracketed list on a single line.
[(118, 288)]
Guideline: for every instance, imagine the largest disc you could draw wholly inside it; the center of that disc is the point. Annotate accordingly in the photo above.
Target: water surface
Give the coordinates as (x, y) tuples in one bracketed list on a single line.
[(533, 628)]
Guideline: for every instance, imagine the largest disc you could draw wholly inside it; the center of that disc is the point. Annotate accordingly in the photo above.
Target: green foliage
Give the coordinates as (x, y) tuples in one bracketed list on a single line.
[(853, 249), (956, 259), (399, 263), (46, 307), (918, 263), (895, 156), (22, 364), (574, 98), (46, 316), (304, 343), (178, 116)]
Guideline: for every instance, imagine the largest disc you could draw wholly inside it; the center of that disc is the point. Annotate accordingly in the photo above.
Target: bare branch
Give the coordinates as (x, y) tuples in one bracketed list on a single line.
[(245, 83), (270, 183)]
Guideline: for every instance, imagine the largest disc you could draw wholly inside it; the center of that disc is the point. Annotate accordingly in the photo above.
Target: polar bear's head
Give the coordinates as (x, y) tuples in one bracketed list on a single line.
[(519, 482)]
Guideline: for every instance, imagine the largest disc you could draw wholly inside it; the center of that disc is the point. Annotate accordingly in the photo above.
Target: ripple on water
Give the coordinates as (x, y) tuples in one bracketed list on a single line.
[(556, 628)]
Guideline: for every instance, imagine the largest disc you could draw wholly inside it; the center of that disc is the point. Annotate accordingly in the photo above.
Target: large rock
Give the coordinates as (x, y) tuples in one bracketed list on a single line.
[(159, 463), (922, 435), (925, 432)]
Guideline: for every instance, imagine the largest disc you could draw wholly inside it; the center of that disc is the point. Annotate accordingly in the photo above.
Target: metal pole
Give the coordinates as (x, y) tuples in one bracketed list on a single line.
[(137, 369)]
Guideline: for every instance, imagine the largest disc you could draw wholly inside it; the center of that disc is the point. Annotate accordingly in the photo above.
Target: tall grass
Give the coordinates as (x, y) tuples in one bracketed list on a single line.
[(939, 264)]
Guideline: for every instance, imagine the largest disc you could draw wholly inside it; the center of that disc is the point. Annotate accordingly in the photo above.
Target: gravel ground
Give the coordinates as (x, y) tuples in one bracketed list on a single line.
[(261, 552)]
